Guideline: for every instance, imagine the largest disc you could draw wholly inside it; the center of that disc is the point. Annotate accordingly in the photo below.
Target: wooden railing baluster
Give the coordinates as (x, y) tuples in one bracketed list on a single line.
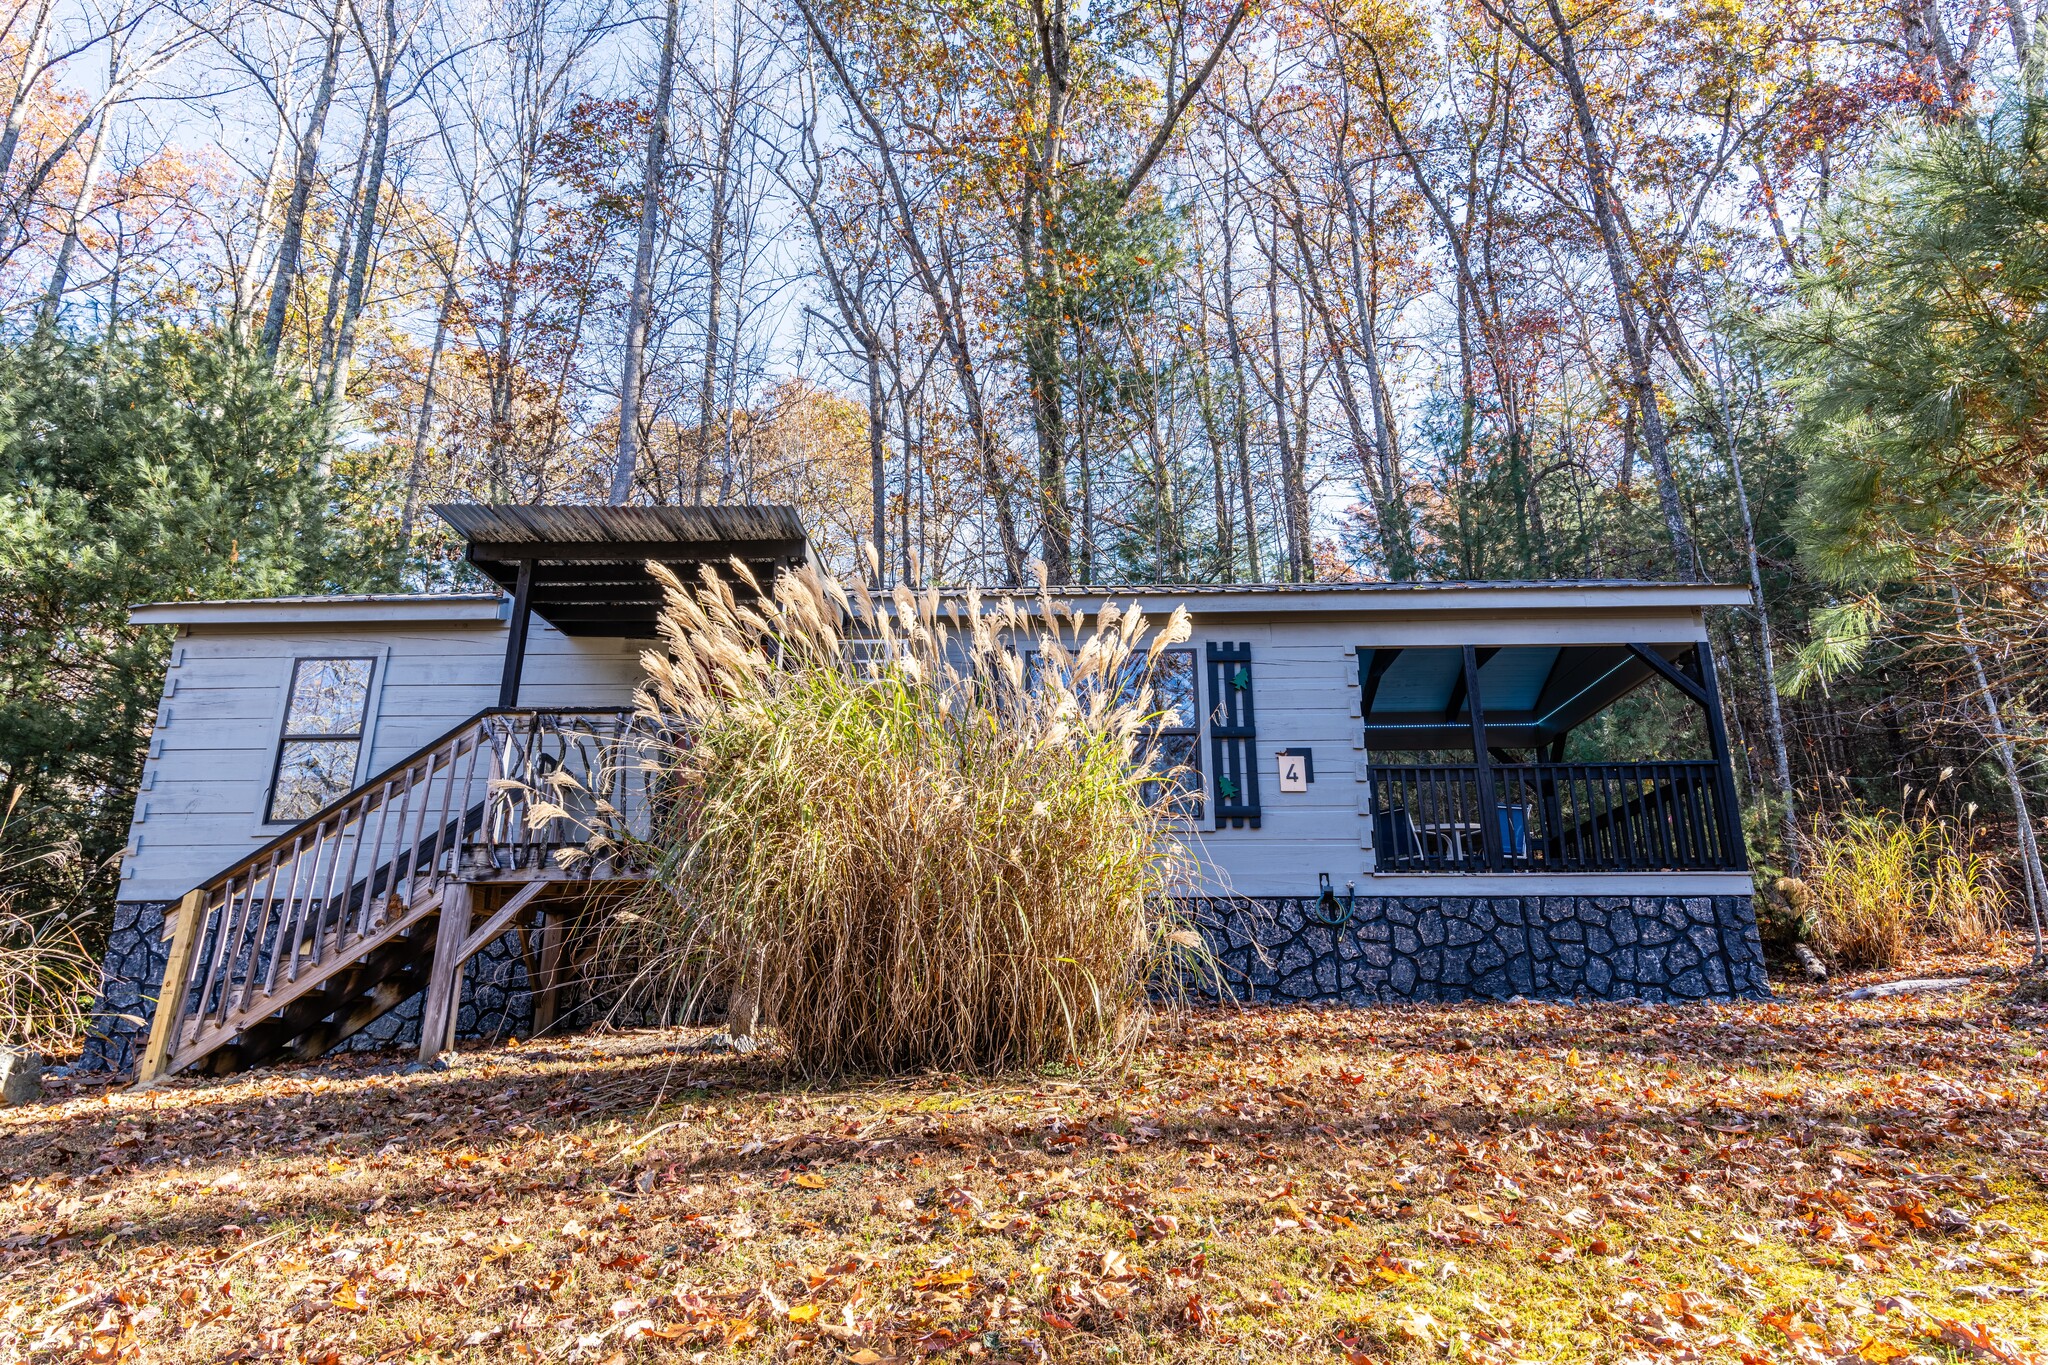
[(316, 941), (359, 826), (1577, 817), (263, 927), (378, 860), (234, 910), (282, 921)]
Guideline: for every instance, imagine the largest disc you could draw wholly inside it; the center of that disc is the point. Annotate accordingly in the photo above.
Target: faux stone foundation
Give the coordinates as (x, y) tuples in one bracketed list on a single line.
[(1379, 949), (1278, 949), (495, 1000)]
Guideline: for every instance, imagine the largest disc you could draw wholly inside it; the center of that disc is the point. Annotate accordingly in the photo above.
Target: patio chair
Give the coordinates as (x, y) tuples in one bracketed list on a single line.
[(1393, 836), (1514, 832)]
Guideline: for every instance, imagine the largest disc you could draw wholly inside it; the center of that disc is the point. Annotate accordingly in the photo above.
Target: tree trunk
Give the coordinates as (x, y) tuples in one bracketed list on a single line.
[(910, 575), (941, 287), (291, 240), (1642, 381), (337, 270), (878, 469), (1397, 528), (1282, 446), (1240, 400), (1043, 377), (1781, 760), (416, 471), (1084, 461), (1205, 397), (714, 271), (366, 215), (640, 301), (2030, 849), (33, 48), (60, 272), (246, 279)]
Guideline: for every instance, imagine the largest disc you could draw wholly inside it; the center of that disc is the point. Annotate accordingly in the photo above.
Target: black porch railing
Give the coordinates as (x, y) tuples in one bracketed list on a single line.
[(1553, 817)]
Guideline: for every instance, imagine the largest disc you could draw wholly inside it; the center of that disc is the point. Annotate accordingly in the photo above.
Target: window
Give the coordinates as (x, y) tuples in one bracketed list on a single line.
[(323, 736), (1176, 751), (1173, 739)]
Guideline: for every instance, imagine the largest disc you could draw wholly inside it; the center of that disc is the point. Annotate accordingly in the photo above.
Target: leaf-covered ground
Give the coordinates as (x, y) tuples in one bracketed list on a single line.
[(1809, 1179)]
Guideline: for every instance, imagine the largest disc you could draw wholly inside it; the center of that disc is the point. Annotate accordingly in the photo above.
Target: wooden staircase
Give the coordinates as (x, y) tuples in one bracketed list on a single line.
[(337, 921)]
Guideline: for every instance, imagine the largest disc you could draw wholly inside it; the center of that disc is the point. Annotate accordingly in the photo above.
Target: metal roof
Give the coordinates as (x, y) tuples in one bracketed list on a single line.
[(1372, 585), (520, 524), (586, 567), (1380, 599)]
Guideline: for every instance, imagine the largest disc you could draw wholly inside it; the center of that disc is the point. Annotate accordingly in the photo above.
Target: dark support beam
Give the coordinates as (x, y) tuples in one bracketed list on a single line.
[(1587, 684), (1465, 685), (1733, 853), (1664, 669), (515, 639), (1437, 735), (1369, 681), (1482, 762), (1550, 677)]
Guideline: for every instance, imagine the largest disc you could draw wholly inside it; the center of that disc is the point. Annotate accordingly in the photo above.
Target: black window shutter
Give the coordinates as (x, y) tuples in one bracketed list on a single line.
[(1233, 734)]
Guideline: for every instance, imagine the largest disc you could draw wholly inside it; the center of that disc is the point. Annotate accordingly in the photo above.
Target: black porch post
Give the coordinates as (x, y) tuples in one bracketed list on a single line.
[(1733, 854), (515, 639), (1489, 804)]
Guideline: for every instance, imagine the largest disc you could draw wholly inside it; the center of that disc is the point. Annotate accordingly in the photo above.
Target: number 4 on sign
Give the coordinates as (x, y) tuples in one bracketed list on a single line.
[(1297, 770)]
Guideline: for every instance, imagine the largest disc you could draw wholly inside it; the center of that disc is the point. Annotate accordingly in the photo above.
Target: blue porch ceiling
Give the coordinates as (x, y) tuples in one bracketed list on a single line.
[(1425, 680)]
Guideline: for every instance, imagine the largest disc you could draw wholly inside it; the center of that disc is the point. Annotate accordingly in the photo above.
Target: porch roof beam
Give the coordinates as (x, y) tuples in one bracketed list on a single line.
[(1605, 678), (1457, 735), (1670, 673), (1375, 673)]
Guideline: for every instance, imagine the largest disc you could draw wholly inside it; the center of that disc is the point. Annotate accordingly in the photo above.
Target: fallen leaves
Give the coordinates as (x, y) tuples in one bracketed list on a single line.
[(1790, 1181)]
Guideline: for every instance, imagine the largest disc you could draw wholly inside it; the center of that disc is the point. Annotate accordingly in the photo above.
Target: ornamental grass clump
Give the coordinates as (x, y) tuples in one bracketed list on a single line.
[(47, 976), (916, 833), (1879, 885)]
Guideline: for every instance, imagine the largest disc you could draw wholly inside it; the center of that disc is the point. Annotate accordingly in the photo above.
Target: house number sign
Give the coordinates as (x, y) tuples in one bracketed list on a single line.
[(1297, 770)]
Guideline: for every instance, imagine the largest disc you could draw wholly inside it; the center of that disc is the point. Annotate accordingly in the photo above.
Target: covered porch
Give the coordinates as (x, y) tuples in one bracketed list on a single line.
[(1508, 759)]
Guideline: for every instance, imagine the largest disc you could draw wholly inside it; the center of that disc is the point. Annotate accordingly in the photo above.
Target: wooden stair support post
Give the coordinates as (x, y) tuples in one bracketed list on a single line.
[(185, 934), (547, 984), (455, 944), (504, 917), (444, 987)]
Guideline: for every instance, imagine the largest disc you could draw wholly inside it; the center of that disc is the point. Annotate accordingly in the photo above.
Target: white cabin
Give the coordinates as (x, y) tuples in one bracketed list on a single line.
[(1386, 778)]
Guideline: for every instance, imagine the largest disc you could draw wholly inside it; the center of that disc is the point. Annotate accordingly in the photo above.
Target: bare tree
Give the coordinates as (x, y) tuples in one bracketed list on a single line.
[(142, 39), (641, 298), (291, 240), (1560, 54)]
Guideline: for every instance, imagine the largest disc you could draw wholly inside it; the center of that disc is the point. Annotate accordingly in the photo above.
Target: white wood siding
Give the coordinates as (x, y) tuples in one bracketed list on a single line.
[(206, 782), (211, 758), (1305, 696)]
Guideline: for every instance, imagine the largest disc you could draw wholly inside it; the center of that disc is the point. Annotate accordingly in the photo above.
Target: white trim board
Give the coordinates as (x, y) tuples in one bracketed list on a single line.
[(424, 608), (1340, 600)]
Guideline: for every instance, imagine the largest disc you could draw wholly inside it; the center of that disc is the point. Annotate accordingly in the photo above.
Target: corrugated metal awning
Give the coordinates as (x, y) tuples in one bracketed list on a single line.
[(587, 565)]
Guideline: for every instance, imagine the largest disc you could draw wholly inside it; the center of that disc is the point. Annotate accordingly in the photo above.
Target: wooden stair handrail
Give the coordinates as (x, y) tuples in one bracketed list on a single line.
[(295, 918), (392, 774)]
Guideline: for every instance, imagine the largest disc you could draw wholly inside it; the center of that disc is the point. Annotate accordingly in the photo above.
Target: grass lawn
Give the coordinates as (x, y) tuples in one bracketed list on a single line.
[(1809, 1179)]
